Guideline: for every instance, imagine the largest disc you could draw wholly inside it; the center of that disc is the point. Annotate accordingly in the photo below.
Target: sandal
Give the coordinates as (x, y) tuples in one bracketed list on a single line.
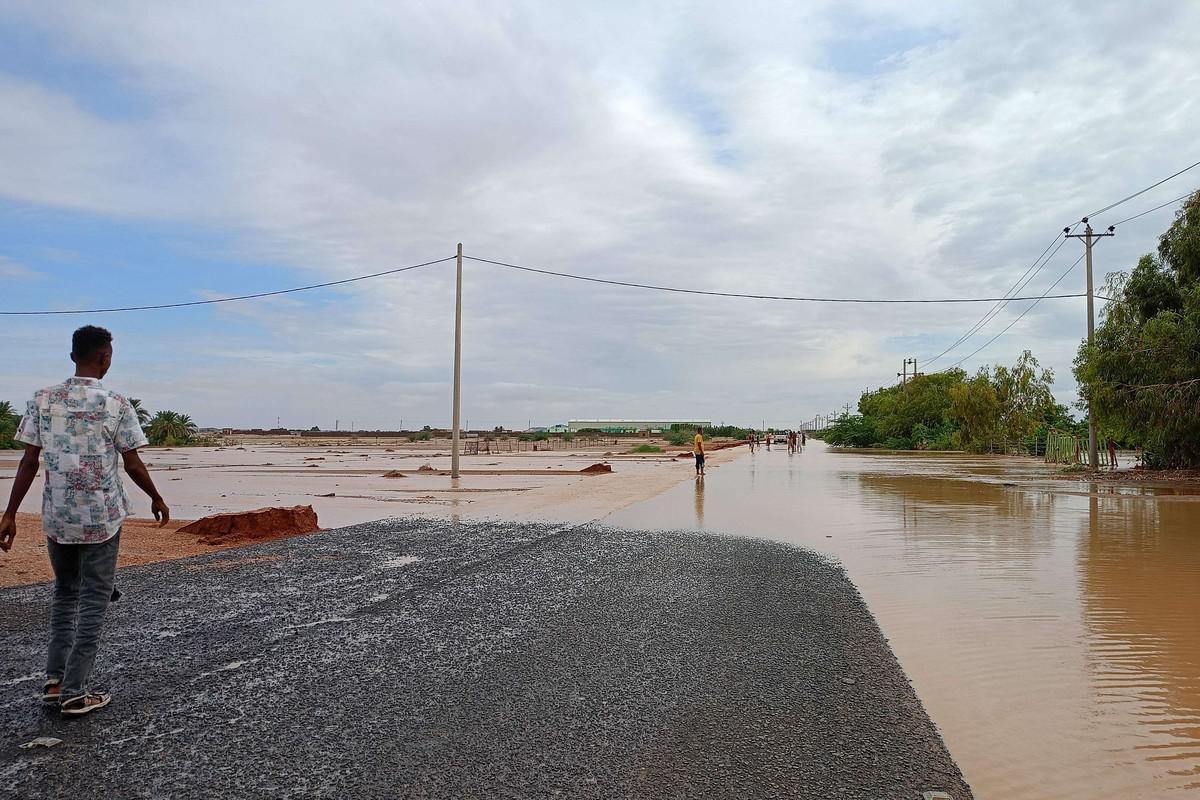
[(85, 704), (52, 690)]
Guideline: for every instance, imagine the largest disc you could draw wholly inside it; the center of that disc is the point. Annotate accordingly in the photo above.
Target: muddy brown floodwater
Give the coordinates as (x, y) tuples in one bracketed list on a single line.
[(1052, 630)]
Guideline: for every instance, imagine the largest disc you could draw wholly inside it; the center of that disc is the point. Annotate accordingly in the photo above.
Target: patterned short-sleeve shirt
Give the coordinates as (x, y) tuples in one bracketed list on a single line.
[(82, 428)]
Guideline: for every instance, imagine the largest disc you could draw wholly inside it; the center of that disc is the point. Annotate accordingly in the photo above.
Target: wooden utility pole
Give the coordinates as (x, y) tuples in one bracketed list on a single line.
[(454, 434), (1090, 238)]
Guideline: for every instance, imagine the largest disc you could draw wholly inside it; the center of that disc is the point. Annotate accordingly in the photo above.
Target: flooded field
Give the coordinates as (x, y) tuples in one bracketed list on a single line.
[(1053, 633), (1051, 628), (348, 484)]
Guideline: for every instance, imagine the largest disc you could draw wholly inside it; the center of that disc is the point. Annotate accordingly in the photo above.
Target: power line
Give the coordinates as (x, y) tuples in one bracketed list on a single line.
[(1156, 208), (1143, 191), (1016, 287), (793, 298), (1032, 305), (231, 299), (999, 306)]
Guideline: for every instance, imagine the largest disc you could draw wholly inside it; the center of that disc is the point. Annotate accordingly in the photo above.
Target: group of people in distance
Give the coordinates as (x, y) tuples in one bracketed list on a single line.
[(796, 440)]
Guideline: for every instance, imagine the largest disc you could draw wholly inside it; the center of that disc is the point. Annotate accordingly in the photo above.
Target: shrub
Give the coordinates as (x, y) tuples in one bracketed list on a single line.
[(679, 438)]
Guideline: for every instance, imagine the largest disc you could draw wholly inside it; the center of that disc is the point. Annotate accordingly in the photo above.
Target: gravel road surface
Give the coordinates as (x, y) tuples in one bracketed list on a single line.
[(428, 659)]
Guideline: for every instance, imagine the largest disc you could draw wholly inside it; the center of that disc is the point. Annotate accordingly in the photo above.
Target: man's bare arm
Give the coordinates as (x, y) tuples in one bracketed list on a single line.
[(141, 476), (26, 472)]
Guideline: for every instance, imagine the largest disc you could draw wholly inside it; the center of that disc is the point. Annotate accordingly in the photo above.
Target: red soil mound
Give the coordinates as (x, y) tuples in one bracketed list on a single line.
[(596, 469), (262, 523)]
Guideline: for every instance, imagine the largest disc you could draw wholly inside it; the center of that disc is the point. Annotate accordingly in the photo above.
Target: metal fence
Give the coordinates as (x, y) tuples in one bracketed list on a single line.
[(1066, 448)]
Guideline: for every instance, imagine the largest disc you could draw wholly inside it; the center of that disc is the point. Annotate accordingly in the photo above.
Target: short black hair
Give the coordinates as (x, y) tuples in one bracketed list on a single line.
[(89, 340)]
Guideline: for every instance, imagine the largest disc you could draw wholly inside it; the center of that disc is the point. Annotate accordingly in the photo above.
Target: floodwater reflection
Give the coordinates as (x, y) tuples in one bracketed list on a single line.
[(1139, 567), (1053, 635)]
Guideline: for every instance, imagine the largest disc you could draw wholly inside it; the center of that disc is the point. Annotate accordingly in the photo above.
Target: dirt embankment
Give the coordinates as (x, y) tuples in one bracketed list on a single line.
[(142, 542), (1139, 476)]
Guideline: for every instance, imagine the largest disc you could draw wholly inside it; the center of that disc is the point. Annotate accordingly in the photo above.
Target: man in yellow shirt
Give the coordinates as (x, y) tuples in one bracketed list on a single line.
[(698, 451)]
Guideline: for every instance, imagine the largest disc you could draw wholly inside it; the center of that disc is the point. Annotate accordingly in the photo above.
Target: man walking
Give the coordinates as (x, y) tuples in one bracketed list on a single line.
[(698, 451), (81, 426)]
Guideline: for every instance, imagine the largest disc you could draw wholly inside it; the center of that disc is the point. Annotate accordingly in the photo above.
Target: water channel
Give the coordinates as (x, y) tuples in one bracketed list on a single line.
[(1051, 628)]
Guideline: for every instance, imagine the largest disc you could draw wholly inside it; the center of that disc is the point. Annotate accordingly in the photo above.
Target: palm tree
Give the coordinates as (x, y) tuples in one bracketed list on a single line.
[(170, 427), (143, 416), (8, 426)]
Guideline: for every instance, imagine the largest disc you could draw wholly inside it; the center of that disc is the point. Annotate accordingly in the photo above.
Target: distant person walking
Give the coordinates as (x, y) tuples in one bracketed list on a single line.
[(698, 451), (82, 427), (1112, 453), (803, 439)]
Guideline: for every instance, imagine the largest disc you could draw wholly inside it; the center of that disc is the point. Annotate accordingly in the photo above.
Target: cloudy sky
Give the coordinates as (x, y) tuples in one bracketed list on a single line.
[(165, 152)]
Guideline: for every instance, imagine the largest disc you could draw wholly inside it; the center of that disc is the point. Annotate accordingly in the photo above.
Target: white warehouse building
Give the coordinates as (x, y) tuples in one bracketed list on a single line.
[(633, 425)]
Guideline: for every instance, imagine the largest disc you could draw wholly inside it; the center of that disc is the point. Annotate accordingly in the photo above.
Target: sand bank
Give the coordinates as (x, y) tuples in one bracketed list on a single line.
[(350, 485)]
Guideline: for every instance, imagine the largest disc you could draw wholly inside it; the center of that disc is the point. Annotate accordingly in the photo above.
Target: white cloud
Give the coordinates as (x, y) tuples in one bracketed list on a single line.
[(709, 146)]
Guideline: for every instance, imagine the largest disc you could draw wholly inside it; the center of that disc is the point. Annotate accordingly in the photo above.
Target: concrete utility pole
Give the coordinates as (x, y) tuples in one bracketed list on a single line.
[(454, 434), (1090, 239)]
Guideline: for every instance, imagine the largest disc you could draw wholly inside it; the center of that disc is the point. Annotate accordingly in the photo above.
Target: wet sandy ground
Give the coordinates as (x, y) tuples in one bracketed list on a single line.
[(346, 485), (1052, 629), (142, 542)]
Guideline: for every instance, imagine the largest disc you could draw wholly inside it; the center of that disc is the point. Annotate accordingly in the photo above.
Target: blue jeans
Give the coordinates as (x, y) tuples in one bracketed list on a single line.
[(83, 586)]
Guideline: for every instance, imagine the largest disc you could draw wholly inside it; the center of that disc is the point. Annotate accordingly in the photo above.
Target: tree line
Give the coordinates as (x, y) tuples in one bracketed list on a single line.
[(953, 411), (1142, 373), (168, 428), (1140, 376)]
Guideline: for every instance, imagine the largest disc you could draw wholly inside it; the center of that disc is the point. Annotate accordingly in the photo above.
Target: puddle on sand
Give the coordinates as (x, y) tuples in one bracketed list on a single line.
[(1053, 637)]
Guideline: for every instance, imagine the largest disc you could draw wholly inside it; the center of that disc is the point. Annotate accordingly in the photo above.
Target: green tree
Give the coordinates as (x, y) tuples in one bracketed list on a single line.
[(976, 409), (1008, 402), (8, 427), (170, 427), (1141, 376), (851, 430), (143, 416), (913, 414)]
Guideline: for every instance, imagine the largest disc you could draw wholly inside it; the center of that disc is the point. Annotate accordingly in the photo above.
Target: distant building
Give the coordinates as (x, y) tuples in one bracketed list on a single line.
[(559, 428), (632, 425)]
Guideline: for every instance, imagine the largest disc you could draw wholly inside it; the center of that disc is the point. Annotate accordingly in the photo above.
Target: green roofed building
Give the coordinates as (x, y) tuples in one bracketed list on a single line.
[(632, 425)]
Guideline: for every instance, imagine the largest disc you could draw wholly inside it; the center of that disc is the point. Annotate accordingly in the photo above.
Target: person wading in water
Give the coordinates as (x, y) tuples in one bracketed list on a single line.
[(698, 451), (82, 427)]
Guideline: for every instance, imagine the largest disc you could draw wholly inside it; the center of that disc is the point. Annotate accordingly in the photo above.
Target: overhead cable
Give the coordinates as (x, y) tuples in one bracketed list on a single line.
[(1021, 316), (1143, 191), (1156, 208), (793, 298), (231, 299), (1016, 287)]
